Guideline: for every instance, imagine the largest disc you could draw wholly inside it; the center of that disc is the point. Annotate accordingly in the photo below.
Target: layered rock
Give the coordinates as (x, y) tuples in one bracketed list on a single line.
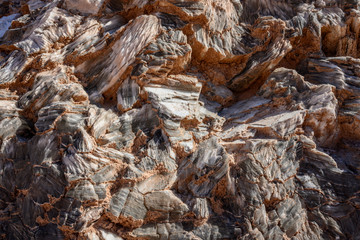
[(179, 119)]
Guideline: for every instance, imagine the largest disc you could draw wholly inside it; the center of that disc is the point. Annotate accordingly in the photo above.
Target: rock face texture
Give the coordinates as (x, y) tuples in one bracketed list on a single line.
[(179, 119)]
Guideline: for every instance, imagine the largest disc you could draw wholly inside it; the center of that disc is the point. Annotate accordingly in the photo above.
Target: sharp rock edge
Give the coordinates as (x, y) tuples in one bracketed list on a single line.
[(179, 119)]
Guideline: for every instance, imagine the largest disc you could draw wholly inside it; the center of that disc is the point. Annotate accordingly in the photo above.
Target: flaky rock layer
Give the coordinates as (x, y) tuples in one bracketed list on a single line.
[(179, 119)]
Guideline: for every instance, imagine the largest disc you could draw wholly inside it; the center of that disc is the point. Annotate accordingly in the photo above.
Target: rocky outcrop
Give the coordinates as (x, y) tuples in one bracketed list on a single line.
[(169, 119)]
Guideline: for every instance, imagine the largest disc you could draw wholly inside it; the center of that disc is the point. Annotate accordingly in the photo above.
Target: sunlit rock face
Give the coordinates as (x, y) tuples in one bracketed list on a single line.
[(179, 119)]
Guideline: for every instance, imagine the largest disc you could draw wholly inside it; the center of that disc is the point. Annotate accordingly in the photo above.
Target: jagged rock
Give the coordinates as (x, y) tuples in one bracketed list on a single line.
[(128, 95), (135, 206), (83, 191), (166, 203), (173, 103), (5, 23), (53, 25), (118, 201), (201, 208), (84, 6), (156, 182), (11, 67), (179, 119), (122, 53), (202, 171)]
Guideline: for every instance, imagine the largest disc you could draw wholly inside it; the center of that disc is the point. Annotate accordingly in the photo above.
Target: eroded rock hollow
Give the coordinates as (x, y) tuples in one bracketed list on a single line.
[(179, 119)]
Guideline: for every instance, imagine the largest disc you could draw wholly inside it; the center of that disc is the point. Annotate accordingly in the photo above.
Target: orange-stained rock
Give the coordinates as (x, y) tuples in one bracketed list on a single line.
[(179, 119)]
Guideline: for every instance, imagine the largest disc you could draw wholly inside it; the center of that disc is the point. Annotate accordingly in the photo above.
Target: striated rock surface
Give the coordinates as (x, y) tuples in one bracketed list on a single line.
[(179, 119)]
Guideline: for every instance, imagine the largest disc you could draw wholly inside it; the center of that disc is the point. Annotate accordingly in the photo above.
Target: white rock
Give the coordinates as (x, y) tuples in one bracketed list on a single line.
[(138, 34), (281, 124), (84, 6), (55, 24)]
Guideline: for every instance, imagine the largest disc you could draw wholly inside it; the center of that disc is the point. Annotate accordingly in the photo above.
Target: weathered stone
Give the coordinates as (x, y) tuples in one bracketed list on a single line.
[(146, 231), (156, 182), (179, 119), (128, 94), (110, 69), (165, 202), (134, 206), (5, 23), (201, 208), (53, 25), (206, 166), (118, 201), (11, 67), (83, 191), (84, 6), (109, 235)]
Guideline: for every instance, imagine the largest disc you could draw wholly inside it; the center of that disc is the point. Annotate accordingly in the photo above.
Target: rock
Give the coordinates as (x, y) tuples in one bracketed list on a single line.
[(84, 6), (49, 89), (53, 25), (5, 23), (201, 208), (156, 182), (167, 203), (170, 53), (109, 235), (135, 207), (118, 201), (101, 123), (11, 67), (179, 119), (281, 125), (128, 95), (204, 166), (112, 67), (83, 191), (146, 231)]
